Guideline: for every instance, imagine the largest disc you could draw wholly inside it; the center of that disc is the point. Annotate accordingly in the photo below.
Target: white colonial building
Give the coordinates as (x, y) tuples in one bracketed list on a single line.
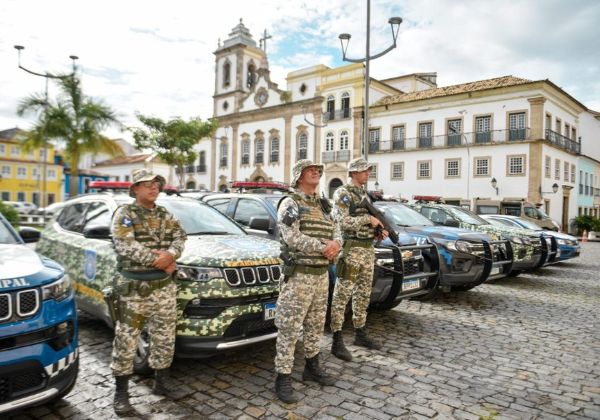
[(423, 139)]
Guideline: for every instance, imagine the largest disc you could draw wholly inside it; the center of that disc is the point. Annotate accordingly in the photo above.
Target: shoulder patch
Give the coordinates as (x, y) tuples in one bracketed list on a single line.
[(126, 222), (290, 216), (346, 200)]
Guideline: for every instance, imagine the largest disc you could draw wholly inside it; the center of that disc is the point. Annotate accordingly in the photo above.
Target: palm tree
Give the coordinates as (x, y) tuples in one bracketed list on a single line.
[(75, 120)]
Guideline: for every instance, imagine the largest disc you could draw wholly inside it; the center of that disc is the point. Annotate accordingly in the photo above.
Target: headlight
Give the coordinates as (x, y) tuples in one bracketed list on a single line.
[(561, 242), (526, 241), (197, 273), (58, 290), (460, 246)]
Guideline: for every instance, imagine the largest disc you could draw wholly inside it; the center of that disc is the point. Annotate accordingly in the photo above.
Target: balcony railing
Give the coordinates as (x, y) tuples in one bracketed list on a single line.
[(189, 169), (201, 168), (339, 114), (425, 142), (563, 142), (335, 156)]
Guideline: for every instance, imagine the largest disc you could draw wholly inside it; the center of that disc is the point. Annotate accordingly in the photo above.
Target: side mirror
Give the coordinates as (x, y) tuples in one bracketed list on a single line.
[(452, 223), (29, 234), (257, 223), (96, 232)]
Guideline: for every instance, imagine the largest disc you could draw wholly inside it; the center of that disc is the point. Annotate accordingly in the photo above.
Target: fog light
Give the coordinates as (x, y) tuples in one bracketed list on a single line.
[(63, 335)]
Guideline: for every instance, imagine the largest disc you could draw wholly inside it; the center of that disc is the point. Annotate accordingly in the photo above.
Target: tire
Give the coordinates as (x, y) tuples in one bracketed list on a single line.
[(140, 360), (515, 273), (464, 287)]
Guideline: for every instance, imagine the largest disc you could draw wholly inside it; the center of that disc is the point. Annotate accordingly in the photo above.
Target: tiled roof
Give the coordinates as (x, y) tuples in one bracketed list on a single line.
[(479, 85), (121, 160)]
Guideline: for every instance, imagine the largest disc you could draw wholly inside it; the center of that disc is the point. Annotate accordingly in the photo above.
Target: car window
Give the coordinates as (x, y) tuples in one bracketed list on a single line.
[(6, 235), (197, 218), (467, 216), (220, 204), (246, 209), (503, 222), (435, 215), (531, 212), (98, 214), (404, 216), (71, 218)]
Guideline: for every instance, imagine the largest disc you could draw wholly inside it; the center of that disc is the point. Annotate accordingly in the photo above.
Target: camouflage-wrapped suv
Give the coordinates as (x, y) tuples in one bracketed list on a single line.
[(227, 281), (530, 250)]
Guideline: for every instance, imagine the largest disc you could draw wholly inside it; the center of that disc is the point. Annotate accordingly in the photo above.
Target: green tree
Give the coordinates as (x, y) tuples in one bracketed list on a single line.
[(74, 120), (173, 141), (10, 213)]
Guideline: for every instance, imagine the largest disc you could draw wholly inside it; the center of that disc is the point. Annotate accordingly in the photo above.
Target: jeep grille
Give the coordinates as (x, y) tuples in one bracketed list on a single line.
[(252, 276), (19, 305)]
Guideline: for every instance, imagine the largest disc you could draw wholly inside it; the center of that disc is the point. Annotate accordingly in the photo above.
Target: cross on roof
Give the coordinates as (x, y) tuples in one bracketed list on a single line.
[(263, 41)]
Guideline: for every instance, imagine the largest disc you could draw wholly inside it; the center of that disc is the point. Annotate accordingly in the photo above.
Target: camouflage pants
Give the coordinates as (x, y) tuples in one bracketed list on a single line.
[(301, 306), (355, 282), (158, 312)]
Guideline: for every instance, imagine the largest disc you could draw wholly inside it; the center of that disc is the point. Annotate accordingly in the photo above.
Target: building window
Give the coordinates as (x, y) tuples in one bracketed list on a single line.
[(250, 75), (397, 171), (558, 128), (245, 152), (52, 174), (516, 126), (453, 131), (329, 142), (2, 150), (515, 165), (259, 151), (344, 140), (425, 135), (483, 129), (373, 172), (21, 196), (275, 150), (374, 137), (51, 198), (330, 114), (567, 130), (35, 173), (424, 169), (482, 166), (15, 151), (302, 146), (303, 88), (586, 185), (572, 173), (42, 155), (345, 105), (573, 134), (452, 168), (226, 73), (557, 169), (21, 172), (5, 196), (223, 160), (6, 172), (580, 182), (548, 122), (548, 167), (398, 137), (566, 171)]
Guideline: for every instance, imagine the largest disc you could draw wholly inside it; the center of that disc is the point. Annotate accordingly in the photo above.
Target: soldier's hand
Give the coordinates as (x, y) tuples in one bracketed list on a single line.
[(375, 222), (171, 268), (384, 235), (163, 259), (332, 248)]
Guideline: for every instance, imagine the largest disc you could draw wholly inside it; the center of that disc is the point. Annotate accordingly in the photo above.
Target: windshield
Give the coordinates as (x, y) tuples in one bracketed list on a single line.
[(6, 234), (542, 214), (200, 219), (403, 216), (527, 224), (274, 201), (467, 216)]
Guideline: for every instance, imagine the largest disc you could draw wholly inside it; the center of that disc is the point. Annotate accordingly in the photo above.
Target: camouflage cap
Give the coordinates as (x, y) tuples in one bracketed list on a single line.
[(141, 175), (359, 165), (299, 167)]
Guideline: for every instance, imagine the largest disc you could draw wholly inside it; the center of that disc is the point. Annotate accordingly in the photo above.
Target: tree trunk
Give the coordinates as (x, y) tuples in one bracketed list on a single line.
[(74, 177)]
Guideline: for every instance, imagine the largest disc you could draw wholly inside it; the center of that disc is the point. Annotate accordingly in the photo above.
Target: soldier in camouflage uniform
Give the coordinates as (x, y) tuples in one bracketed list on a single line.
[(148, 240), (355, 267), (308, 244)]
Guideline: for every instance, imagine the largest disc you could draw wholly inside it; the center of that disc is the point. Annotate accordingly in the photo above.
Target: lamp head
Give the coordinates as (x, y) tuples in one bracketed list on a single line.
[(555, 188), (494, 183), (395, 24), (19, 47), (344, 40)]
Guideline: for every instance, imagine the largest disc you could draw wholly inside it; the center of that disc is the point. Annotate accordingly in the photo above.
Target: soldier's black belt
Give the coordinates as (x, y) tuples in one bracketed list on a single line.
[(145, 275)]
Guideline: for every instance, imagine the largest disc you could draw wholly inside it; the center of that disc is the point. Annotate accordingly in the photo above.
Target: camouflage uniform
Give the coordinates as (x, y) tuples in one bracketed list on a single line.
[(136, 231), (355, 269)]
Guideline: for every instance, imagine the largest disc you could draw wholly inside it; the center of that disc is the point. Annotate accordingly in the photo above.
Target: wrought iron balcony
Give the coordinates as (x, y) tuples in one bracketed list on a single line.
[(201, 168), (425, 142), (339, 114), (328, 157), (562, 141), (335, 156), (189, 169)]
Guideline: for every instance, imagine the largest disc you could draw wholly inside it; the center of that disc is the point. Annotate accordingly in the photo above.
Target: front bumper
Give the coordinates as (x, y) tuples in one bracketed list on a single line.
[(567, 252), (200, 347)]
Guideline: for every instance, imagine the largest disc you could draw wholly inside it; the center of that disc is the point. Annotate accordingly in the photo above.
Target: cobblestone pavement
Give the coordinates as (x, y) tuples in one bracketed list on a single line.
[(522, 347)]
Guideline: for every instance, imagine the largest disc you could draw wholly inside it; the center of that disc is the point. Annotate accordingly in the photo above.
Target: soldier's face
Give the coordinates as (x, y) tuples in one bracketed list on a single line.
[(147, 191), (311, 176), (361, 177)]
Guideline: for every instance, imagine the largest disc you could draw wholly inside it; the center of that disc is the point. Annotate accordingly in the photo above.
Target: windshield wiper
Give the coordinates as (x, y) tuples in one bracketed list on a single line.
[(208, 233)]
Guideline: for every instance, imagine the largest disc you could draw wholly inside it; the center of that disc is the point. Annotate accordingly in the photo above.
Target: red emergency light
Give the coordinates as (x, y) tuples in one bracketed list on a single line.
[(265, 185), (430, 198)]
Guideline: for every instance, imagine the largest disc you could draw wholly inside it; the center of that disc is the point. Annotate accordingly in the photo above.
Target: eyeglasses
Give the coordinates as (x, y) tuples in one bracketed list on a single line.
[(149, 184)]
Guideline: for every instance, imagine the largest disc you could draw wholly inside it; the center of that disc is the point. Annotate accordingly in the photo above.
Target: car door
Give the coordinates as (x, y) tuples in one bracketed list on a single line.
[(248, 208)]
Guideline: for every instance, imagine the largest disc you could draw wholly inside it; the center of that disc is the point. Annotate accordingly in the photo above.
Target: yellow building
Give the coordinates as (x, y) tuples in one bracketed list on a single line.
[(21, 172)]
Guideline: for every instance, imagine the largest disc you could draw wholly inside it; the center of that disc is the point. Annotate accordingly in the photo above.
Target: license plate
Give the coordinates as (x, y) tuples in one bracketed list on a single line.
[(270, 309), (494, 271), (411, 285)]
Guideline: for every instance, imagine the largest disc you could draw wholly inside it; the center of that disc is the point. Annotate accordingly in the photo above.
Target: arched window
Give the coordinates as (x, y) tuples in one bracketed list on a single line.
[(223, 160), (190, 185), (329, 142), (334, 185), (250, 75), (259, 151), (245, 152), (202, 162), (344, 140), (345, 105), (330, 114), (275, 150), (226, 73), (302, 146)]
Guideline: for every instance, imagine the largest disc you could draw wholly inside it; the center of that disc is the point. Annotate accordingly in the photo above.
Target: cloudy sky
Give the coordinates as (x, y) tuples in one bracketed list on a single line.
[(155, 57)]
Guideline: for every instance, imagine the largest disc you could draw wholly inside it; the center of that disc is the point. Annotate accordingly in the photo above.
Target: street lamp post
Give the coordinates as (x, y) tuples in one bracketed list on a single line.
[(345, 40), (47, 76)]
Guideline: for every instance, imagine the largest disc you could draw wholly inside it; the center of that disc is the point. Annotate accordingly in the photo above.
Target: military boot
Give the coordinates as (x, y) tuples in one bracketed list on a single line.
[(161, 377), (362, 339), (338, 349), (121, 402), (314, 372), (284, 389)]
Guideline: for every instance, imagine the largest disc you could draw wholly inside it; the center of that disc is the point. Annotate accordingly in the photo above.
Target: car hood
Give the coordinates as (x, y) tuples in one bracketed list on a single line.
[(229, 251), (559, 235), (506, 231), (448, 233), (21, 267)]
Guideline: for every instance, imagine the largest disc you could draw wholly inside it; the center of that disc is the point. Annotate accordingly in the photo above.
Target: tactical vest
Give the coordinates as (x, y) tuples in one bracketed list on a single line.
[(158, 239), (365, 231), (313, 223)]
